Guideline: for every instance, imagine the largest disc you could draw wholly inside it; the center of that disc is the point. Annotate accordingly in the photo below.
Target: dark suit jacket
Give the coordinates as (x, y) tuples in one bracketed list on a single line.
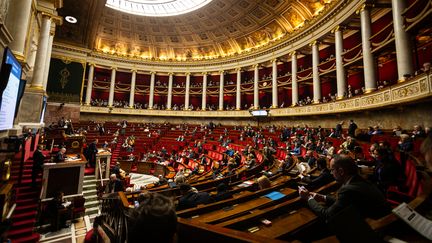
[(38, 159), (59, 157), (365, 197), (192, 199), (117, 184)]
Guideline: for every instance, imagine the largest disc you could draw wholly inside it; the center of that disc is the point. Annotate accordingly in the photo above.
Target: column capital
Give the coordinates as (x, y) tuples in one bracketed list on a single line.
[(170, 73), (274, 60), (221, 71), (187, 73), (91, 64), (134, 70), (338, 28), (363, 7), (314, 43), (113, 68), (204, 73), (238, 69), (152, 72), (293, 53), (256, 65)]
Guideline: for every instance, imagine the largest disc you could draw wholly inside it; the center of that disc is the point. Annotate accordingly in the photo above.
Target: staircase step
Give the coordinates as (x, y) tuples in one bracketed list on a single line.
[(21, 208), (31, 194), (91, 204), (15, 232), (25, 222), (27, 201), (34, 237), (89, 177), (20, 216)]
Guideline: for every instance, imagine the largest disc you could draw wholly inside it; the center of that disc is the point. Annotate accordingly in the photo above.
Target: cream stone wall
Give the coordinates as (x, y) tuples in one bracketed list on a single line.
[(405, 116)]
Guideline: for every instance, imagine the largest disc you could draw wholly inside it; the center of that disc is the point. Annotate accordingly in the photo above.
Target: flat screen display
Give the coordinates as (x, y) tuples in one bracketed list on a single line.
[(10, 93), (260, 113)]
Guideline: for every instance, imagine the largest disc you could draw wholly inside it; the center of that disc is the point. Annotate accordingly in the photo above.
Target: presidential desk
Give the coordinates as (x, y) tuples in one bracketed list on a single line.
[(66, 177)]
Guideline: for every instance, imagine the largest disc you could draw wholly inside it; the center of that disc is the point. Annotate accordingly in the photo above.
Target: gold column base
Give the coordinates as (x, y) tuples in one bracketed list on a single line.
[(339, 98), (367, 91), (316, 102)]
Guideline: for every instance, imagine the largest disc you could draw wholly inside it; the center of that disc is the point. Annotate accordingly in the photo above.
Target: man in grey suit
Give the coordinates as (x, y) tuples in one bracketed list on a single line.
[(355, 192)]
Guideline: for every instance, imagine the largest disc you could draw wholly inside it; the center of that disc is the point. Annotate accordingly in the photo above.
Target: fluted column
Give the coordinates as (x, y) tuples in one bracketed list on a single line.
[(39, 68), (132, 91), (112, 87), (89, 83), (221, 89), (294, 84), (204, 92), (404, 55), (315, 73), (368, 59), (187, 91), (18, 21), (340, 69), (152, 87), (274, 84), (238, 90), (256, 87), (170, 87), (48, 58)]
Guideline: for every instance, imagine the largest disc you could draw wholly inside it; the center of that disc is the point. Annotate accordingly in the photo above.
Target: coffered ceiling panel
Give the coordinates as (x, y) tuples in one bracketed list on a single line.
[(220, 28)]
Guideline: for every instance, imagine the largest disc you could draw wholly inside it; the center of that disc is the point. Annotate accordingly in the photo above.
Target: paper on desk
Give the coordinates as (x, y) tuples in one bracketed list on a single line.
[(414, 219), (66, 204)]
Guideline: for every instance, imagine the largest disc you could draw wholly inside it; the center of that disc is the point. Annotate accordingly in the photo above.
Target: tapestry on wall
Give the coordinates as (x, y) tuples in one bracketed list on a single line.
[(65, 81)]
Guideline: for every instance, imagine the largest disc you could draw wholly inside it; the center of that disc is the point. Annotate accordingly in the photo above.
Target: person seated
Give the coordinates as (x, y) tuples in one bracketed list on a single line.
[(60, 156), (115, 185), (118, 171), (418, 132), (222, 193), (250, 162), (154, 219), (286, 163), (405, 144), (263, 182), (191, 197), (105, 145), (58, 210), (296, 150), (388, 171), (355, 192), (322, 179), (377, 131), (310, 159), (93, 235)]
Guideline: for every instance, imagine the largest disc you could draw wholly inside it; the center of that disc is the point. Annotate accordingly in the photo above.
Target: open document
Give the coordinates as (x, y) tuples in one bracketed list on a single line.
[(414, 219)]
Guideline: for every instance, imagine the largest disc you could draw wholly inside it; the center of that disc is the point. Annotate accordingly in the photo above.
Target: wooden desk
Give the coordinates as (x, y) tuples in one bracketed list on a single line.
[(67, 177), (103, 158), (286, 223)]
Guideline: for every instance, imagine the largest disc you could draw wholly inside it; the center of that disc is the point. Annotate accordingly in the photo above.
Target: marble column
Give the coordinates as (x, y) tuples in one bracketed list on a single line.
[(152, 87), (89, 84), (18, 22), (340, 69), (369, 67), (112, 87), (132, 91), (48, 59), (404, 54), (221, 89), (204, 92), (170, 87), (39, 68), (238, 90), (294, 84), (256, 87), (315, 73), (274, 84), (187, 91)]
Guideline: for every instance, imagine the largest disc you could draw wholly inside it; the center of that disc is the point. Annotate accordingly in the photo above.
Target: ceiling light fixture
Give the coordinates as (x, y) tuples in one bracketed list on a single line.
[(71, 19)]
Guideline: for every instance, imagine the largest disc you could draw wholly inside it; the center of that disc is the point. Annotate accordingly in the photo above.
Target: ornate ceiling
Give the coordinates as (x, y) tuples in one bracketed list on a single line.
[(222, 28)]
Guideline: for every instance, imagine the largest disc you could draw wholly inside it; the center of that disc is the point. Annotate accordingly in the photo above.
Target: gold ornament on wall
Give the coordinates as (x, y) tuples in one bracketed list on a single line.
[(65, 74)]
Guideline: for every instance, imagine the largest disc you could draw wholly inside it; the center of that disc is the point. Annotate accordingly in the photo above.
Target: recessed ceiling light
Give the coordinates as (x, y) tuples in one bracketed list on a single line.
[(71, 19)]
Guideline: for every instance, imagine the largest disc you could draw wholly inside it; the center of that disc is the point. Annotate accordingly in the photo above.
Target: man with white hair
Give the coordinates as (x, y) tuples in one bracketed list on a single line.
[(60, 156), (115, 185)]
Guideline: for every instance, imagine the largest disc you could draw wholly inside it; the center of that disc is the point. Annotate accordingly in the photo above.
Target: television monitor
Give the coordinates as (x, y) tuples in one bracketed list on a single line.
[(10, 80), (259, 112)]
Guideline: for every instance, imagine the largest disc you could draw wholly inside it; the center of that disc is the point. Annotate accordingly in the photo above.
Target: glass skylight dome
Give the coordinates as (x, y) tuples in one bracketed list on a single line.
[(156, 8)]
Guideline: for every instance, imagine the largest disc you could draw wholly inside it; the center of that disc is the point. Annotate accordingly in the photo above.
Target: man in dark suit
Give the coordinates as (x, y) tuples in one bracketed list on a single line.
[(115, 185), (352, 128), (92, 151), (191, 197), (60, 156), (355, 192), (38, 161)]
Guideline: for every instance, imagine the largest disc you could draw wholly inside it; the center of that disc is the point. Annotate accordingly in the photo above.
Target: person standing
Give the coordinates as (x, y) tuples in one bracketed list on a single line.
[(38, 161), (352, 128)]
